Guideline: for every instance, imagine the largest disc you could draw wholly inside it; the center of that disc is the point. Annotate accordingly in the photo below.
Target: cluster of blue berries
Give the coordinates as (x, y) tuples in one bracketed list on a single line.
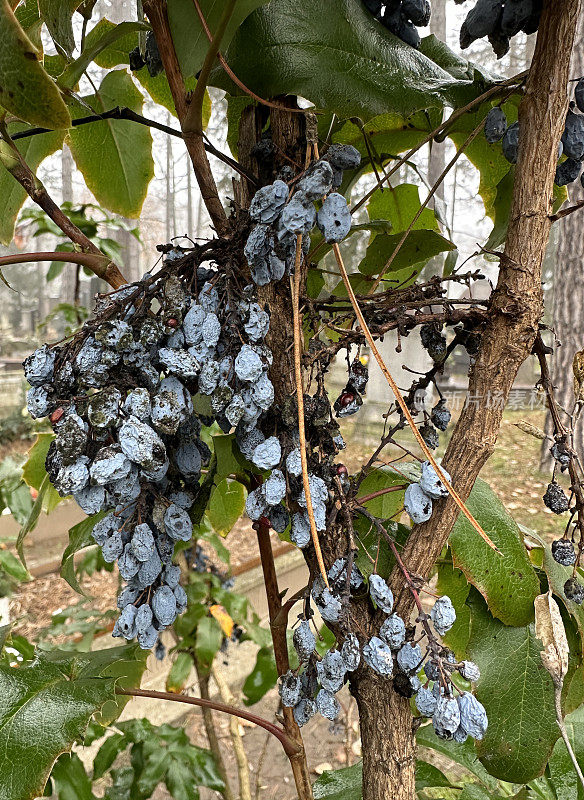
[(571, 144), (280, 217), (393, 654), (499, 21), (128, 442), (401, 17)]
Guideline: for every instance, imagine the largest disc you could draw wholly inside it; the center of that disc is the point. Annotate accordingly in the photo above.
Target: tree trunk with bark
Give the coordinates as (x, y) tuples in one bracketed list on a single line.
[(568, 292)]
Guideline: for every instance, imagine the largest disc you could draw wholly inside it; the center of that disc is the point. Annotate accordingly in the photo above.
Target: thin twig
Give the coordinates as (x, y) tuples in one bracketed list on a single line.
[(566, 211), (405, 410), (19, 169), (193, 120), (125, 113), (290, 747), (209, 723), (564, 733), (228, 71), (236, 739), (295, 291)]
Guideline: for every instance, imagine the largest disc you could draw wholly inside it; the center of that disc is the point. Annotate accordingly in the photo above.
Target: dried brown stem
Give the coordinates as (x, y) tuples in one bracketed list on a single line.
[(203, 680), (278, 625), (295, 291), (236, 739), (401, 402)]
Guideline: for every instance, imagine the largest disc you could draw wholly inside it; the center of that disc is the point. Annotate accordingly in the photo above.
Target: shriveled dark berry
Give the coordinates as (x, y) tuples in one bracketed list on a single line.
[(574, 591), (563, 552), (441, 416), (555, 499), (433, 341), (430, 435)]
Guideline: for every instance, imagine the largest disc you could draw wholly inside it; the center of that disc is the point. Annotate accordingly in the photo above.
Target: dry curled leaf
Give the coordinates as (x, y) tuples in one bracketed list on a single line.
[(578, 368), (549, 628), (532, 430)]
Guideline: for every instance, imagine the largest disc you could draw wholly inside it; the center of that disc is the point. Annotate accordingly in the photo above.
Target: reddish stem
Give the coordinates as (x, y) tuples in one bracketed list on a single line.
[(290, 747)]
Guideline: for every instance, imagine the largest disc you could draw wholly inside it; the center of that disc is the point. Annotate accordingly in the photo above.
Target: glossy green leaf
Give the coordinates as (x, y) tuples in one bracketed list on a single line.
[(387, 505), (57, 16), (399, 206), (339, 784), (19, 501), (13, 567), (507, 580), (462, 754), (107, 754), (44, 709), (104, 38), (111, 50), (34, 471), (262, 678), (427, 776), (79, 538), (27, 14), (124, 664), (34, 150), (32, 519), (517, 694), (419, 247), (179, 673), (208, 642), (336, 55), (69, 779), (26, 90), (115, 156), (563, 776), (159, 91), (190, 41), (226, 506)]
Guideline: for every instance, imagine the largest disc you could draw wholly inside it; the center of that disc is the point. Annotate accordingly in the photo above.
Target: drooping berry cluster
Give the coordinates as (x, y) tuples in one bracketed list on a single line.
[(119, 397), (393, 654), (499, 21), (571, 144), (401, 17)]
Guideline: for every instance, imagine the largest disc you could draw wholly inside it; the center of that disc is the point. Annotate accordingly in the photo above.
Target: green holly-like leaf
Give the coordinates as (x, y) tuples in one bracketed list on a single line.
[(517, 694), (79, 538), (340, 784), (190, 41), (70, 780), (226, 506), (56, 15), (34, 472), (34, 150), (462, 754), (336, 55), (507, 579), (115, 156), (208, 642), (45, 708), (26, 90), (262, 677), (179, 673)]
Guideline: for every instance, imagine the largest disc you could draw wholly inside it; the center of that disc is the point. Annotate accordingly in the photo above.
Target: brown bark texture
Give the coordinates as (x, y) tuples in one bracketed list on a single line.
[(568, 291)]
